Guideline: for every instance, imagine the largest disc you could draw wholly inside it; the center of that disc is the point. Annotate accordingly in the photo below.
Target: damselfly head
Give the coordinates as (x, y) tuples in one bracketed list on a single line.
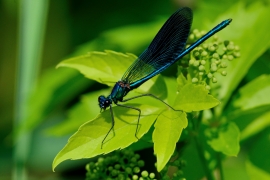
[(104, 102)]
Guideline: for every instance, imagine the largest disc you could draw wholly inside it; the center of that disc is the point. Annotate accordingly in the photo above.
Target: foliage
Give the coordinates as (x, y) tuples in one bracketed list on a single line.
[(239, 114)]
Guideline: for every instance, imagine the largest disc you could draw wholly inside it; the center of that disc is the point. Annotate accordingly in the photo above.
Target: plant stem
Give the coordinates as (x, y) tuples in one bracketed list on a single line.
[(220, 166), (200, 149)]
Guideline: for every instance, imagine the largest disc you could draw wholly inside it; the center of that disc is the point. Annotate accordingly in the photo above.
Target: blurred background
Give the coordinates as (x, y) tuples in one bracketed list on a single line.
[(34, 95)]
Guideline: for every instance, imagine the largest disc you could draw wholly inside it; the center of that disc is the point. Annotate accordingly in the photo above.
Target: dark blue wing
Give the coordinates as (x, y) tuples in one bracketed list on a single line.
[(163, 50)]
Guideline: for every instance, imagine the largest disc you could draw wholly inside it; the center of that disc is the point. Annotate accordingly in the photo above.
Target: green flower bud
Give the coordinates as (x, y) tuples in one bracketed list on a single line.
[(230, 57), (213, 67), (152, 175), (191, 37), (209, 75), (230, 47), (203, 32), (121, 177), (191, 62), (196, 53), (223, 65), (144, 173), (133, 159), (211, 48), (204, 53), (195, 31), (196, 63), (140, 163), (114, 172), (204, 45), (194, 80), (201, 73), (87, 167), (197, 35), (136, 169), (137, 156), (217, 61), (207, 87), (201, 68), (128, 170), (224, 73), (135, 177), (203, 62), (236, 54), (117, 166), (214, 80), (215, 55)]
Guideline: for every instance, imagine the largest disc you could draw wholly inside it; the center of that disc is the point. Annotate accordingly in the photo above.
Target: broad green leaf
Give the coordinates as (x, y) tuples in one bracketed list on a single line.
[(243, 34), (256, 126), (193, 97), (256, 173), (227, 141), (248, 115), (105, 67), (254, 93), (87, 141), (168, 129)]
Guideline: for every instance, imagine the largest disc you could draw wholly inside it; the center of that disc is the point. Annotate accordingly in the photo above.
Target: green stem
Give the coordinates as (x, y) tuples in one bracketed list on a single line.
[(220, 166), (200, 149)]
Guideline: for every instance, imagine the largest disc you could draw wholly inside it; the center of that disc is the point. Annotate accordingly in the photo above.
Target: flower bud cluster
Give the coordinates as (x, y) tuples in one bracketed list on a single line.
[(120, 165), (208, 59)]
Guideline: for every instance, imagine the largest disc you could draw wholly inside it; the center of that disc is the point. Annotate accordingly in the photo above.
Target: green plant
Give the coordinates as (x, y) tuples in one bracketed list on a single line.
[(196, 73), (210, 137)]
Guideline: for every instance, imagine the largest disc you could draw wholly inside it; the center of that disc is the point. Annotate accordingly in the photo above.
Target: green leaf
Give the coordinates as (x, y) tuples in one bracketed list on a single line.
[(227, 141), (254, 93), (105, 67), (86, 142), (258, 125), (168, 129), (194, 98), (256, 173)]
